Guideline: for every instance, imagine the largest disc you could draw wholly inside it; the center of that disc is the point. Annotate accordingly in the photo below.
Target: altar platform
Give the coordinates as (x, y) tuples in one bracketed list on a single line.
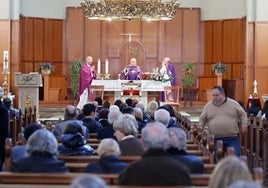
[(147, 89)]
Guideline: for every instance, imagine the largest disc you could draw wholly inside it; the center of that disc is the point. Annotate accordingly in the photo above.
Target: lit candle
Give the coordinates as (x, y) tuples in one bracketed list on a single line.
[(99, 66), (106, 66)]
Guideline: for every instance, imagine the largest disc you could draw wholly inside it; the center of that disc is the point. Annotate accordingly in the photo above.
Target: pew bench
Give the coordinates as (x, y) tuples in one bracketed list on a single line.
[(66, 178)]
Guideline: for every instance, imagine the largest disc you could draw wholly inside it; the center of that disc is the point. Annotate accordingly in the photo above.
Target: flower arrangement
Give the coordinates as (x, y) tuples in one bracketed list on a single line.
[(219, 68), (46, 66), (188, 75), (158, 76)]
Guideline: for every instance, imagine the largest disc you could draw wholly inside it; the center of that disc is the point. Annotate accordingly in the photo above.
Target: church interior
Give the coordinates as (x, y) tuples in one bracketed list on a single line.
[(201, 34)]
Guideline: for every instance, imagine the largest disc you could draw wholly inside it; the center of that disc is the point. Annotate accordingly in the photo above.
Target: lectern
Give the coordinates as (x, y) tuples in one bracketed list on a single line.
[(28, 85)]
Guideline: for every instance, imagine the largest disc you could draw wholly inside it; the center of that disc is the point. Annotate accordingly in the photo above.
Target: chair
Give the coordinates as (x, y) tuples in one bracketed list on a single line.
[(172, 95), (95, 91)]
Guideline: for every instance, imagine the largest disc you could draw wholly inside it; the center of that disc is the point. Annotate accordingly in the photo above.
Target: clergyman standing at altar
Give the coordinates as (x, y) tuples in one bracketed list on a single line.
[(132, 71), (87, 74), (168, 68)]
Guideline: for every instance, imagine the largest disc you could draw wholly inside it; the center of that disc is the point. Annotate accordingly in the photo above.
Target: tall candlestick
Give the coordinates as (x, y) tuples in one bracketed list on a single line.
[(99, 66), (106, 66)]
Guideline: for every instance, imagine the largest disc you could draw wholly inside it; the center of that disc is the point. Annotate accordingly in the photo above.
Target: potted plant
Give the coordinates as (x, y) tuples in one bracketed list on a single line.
[(219, 68), (46, 68), (188, 75), (75, 72)]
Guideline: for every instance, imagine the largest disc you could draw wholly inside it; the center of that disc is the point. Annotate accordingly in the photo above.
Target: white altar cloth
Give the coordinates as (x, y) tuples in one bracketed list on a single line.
[(146, 86)]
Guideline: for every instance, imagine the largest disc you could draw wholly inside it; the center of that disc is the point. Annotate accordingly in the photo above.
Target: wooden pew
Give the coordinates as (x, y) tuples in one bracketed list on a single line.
[(66, 178)]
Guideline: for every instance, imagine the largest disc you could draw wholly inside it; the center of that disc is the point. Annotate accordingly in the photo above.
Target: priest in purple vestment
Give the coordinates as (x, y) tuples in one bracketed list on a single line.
[(87, 74), (168, 68), (132, 71)]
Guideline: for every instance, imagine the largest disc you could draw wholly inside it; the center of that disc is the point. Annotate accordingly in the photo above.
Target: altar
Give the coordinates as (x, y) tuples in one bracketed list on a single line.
[(144, 86)]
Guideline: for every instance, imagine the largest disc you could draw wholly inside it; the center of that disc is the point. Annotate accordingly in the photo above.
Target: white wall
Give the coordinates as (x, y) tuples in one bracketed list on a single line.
[(255, 10), (44, 8), (223, 9), (4, 9), (262, 7)]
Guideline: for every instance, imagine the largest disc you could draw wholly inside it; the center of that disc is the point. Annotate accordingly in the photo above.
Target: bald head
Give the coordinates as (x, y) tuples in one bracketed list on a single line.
[(70, 112), (89, 60)]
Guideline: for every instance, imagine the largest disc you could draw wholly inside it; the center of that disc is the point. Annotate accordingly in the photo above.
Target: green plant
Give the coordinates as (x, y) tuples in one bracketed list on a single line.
[(188, 75), (46, 65), (75, 72), (219, 68)]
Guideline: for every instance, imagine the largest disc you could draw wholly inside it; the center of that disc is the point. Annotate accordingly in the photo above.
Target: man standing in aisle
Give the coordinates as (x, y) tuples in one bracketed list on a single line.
[(222, 115), (87, 74)]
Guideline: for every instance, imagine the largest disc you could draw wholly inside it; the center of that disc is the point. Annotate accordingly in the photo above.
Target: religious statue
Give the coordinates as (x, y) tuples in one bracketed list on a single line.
[(255, 92)]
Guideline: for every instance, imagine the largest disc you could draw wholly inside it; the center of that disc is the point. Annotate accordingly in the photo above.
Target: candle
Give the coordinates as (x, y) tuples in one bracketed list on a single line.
[(99, 66), (106, 66)]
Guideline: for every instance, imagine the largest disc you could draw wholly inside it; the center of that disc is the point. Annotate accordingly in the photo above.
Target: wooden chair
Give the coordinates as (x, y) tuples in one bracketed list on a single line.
[(95, 91), (172, 95)]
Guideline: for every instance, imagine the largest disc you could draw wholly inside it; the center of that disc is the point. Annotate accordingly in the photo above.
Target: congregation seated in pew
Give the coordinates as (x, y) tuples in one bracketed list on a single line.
[(19, 151), (88, 181), (42, 151), (229, 170), (89, 112), (70, 115), (177, 150), (108, 131), (109, 161), (126, 134), (155, 168), (73, 143)]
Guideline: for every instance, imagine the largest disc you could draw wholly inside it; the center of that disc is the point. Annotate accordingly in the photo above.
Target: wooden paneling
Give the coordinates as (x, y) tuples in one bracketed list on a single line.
[(57, 40), (5, 32), (261, 44), (38, 40), (150, 39), (115, 37), (75, 34), (204, 84), (173, 38), (191, 35), (59, 82), (233, 40), (48, 40), (217, 41), (27, 39)]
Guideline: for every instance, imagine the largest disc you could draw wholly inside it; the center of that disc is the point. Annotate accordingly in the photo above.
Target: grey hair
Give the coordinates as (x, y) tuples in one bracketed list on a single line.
[(42, 142), (126, 124), (138, 113), (108, 146), (114, 108), (140, 105), (162, 116), (113, 116), (177, 138), (151, 107), (154, 135), (88, 181)]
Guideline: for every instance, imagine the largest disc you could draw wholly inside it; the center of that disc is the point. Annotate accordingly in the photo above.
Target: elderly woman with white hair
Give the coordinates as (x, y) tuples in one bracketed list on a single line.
[(126, 131), (109, 152), (42, 151)]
